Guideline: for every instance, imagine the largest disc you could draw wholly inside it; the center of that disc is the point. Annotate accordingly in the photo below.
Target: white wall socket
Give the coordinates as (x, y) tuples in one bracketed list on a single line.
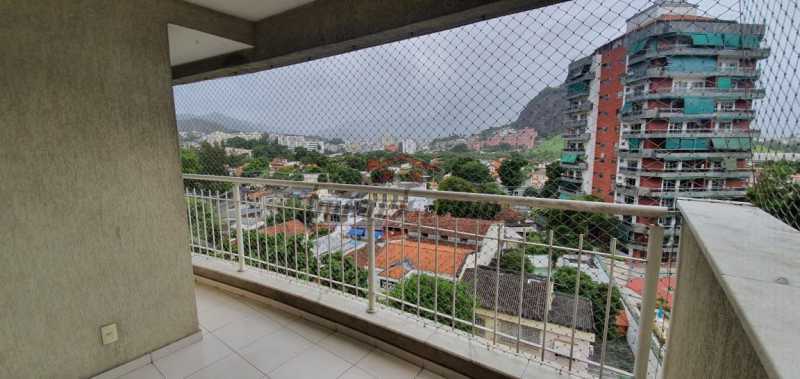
[(109, 333)]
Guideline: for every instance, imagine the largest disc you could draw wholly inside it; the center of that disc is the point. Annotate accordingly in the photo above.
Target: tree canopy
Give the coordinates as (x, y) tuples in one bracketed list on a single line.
[(564, 280), (776, 193), (407, 290), (473, 171), (510, 171), (465, 208)]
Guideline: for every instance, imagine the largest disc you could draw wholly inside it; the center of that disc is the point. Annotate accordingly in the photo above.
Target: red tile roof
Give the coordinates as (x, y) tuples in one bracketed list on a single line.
[(447, 224), (446, 259), (665, 289), (289, 228)]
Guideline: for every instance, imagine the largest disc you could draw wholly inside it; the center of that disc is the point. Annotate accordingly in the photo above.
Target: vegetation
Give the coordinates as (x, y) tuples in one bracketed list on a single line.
[(471, 170), (776, 193), (546, 150), (564, 280), (512, 260), (553, 173), (510, 172), (407, 290), (464, 208)]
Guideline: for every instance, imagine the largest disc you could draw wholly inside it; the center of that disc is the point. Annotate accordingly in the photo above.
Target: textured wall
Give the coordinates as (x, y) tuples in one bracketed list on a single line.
[(706, 339), (92, 228)]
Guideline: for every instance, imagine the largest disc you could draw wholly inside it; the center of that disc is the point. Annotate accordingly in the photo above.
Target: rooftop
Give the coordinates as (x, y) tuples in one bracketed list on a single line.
[(443, 258), (534, 298)]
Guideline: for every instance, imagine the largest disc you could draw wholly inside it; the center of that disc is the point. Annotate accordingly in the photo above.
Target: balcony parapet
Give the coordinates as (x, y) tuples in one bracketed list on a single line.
[(738, 269)]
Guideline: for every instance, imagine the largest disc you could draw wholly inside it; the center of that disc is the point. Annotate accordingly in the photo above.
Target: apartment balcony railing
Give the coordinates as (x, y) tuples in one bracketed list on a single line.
[(582, 136), (694, 132), (661, 72), (674, 192), (585, 107), (572, 179), (683, 49), (575, 124), (352, 257), (680, 154), (688, 172), (665, 93), (678, 114)]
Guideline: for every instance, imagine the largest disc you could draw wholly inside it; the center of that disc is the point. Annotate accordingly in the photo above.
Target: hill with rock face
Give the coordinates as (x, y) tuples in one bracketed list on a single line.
[(545, 112)]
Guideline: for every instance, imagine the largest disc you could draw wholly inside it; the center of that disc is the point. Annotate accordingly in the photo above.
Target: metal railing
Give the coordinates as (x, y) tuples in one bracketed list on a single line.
[(433, 266)]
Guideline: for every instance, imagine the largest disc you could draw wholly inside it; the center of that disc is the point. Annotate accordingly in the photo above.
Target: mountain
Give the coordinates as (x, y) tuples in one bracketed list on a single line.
[(213, 122), (544, 112)]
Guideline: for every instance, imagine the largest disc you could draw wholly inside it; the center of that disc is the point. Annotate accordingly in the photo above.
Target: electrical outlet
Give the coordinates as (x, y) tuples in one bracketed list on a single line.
[(109, 333)]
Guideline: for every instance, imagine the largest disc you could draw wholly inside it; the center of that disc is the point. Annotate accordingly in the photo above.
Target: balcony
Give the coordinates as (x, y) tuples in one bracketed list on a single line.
[(582, 136), (693, 192), (682, 155), (668, 93), (690, 133), (400, 247), (681, 49), (688, 172), (677, 114), (585, 107), (664, 72)]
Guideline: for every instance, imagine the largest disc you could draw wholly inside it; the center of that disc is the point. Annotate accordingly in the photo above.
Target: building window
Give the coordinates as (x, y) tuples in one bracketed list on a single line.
[(668, 184), (672, 165), (726, 126), (726, 106)]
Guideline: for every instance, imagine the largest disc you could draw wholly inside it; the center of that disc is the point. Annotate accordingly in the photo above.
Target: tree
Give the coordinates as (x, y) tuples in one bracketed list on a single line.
[(190, 162), (598, 229), (776, 193), (512, 260), (510, 171), (255, 168), (412, 175), (355, 161), (407, 290), (465, 208), (531, 192), (473, 171), (564, 280), (343, 269), (553, 173), (338, 173), (381, 175), (210, 161)]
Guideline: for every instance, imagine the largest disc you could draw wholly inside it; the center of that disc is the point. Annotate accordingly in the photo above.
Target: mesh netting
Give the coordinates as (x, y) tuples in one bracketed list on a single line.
[(570, 101)]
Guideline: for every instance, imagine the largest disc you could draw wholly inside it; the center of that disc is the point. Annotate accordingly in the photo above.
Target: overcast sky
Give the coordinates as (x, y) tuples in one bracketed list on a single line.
[(457, 81)]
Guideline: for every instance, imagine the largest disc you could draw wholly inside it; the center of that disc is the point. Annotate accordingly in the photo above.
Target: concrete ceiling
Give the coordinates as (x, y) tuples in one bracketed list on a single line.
[(189, 45), (251, 10)]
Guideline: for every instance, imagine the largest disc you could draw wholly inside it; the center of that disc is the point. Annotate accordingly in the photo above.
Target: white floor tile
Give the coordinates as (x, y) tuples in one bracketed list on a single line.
[(387, 366), (346, 347), (275, 349), (232, 367), (193, 358), (216, 317), (357, 373), (145, 372), (316, 363), (241, 333), (310, 330)]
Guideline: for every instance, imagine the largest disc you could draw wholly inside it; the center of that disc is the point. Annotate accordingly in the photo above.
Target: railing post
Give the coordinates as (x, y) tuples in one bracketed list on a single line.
[(237, 199), (655, 241), (371, 274)]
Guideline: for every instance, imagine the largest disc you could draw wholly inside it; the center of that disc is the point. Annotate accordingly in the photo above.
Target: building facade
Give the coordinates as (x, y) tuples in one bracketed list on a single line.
[(667, 110)]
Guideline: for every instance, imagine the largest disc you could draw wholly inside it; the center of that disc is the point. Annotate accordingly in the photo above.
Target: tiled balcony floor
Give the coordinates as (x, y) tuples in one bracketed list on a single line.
[(246, 339)]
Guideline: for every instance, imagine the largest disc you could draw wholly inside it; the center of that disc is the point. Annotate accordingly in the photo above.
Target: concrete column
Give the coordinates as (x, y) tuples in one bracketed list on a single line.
[(92, 219)]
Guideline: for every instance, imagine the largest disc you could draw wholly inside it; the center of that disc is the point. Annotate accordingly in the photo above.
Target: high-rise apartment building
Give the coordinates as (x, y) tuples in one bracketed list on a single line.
[(664, 111)]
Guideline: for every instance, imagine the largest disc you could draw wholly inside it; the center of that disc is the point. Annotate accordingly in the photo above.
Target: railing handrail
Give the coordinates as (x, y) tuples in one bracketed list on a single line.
[(533, 202)]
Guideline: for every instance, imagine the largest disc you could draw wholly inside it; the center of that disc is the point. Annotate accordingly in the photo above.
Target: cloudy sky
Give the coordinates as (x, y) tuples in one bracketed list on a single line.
[(457, 81)]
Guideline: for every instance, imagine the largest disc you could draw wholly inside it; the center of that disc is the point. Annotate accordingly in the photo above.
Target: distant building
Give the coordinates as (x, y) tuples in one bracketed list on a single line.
[(516, 138), (238, 151), (408, 146), (220, 137)]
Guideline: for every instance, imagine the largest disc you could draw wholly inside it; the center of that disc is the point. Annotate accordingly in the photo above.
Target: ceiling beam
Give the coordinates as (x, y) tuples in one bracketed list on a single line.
[(210, 21), (329, 27)]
